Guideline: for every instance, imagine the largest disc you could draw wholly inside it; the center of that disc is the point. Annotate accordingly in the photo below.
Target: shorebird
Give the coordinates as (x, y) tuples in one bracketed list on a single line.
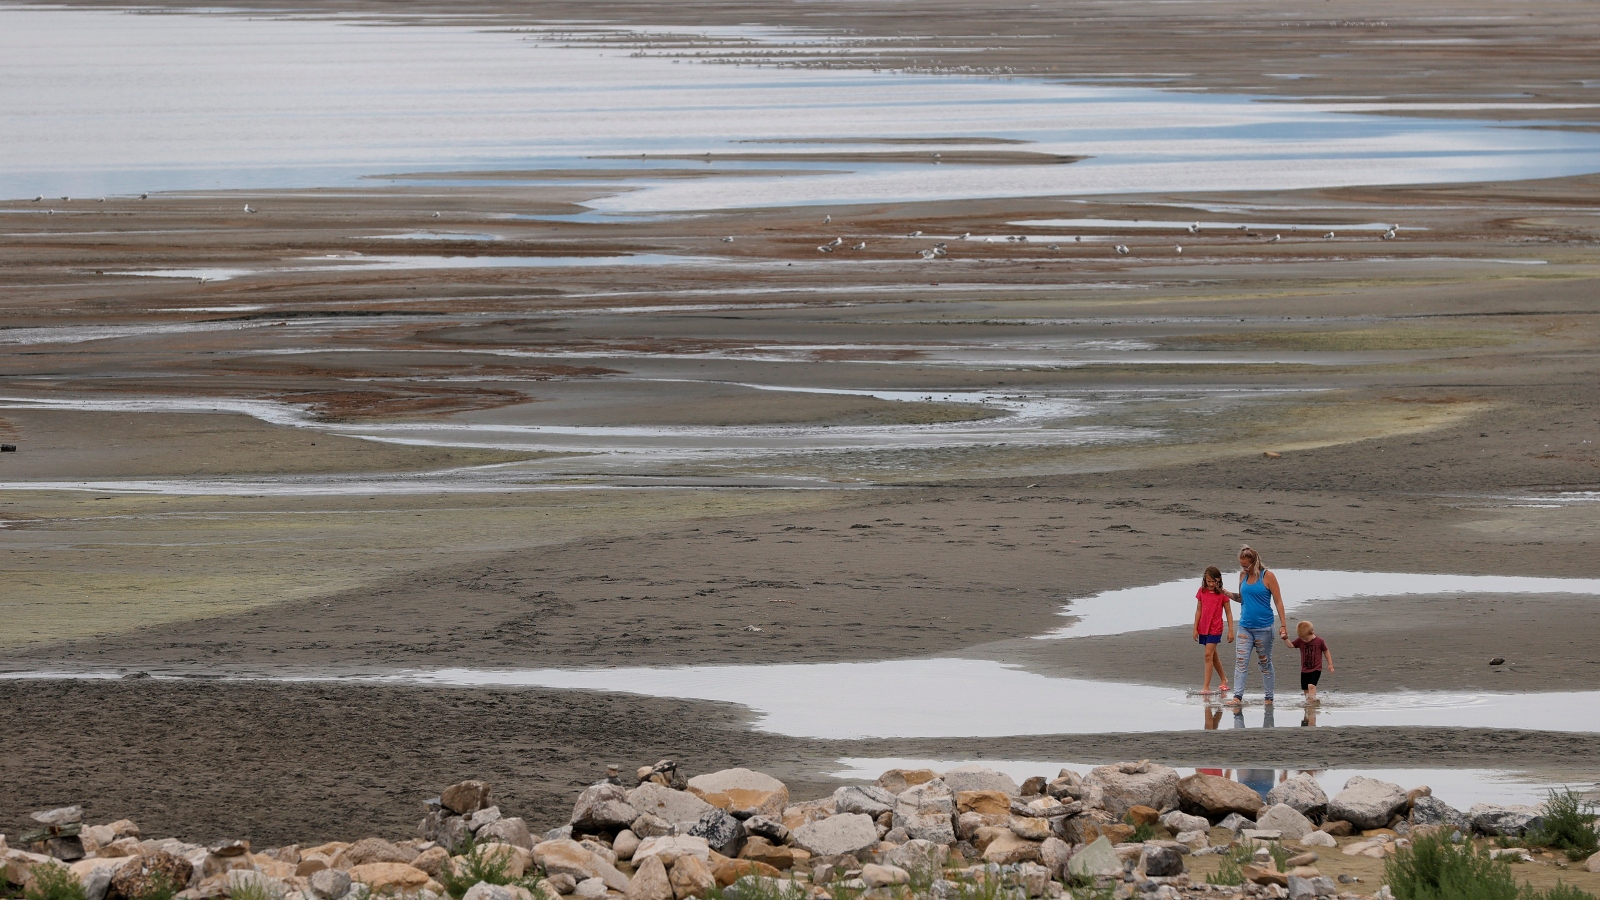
[(824, 249), (860, 246), (248, 209), (101, 200), (1195, 228), (728, 239), (939, 251), (965, 235), (1054, 247), (915, 234), (1122, 249), (1179, 248), (925, 254), (1274, 239), (836, 242), (827, 220), (1389, 235), (38, 198), (434, 216), (1328, 236), (144, 196)]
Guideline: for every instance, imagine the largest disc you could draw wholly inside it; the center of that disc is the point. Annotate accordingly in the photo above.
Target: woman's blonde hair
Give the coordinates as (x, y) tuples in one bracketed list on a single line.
[(1253, 555)]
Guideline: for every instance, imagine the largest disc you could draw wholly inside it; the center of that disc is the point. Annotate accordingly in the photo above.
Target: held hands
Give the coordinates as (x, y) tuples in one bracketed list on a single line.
[(1230, 635)]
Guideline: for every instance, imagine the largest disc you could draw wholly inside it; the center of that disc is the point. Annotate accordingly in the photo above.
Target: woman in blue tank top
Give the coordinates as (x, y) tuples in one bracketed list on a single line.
[(1258, 595)]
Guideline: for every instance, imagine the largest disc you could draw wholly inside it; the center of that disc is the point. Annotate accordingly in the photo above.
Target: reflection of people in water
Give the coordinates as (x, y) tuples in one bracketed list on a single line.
[(1258, 780), (1310, 718), (1213, 717)]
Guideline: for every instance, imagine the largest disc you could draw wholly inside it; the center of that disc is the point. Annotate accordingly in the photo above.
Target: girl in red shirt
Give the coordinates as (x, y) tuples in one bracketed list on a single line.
[(1211, 605)]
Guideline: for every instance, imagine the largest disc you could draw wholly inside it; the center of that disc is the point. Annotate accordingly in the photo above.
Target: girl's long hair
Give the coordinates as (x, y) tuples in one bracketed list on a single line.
[(1211, 572)]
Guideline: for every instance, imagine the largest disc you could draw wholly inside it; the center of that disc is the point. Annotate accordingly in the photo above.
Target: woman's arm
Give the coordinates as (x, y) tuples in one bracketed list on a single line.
[(1277, 598)]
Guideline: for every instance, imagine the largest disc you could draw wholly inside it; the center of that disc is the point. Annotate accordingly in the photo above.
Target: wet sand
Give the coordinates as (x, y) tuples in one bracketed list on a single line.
[(303, 762), (1415, 389)]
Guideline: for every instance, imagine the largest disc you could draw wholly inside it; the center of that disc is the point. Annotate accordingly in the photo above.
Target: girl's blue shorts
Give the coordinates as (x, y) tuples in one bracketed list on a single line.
[(1210, 638)]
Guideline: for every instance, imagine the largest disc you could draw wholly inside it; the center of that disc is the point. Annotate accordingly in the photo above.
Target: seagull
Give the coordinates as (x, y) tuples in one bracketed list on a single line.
[(824, 249), (1195, 228), (938, 251), (836, 242), (1122, 249), (1179, 248), (925, 254), (434, 216), (248, 209), (67, 199), (965, 235), (728, 239), (1055, 247), (860, 246), (827, 219), (1294, 228), (1328, 236), (1389, 235), (144, 196), (1022, 239), (1274, 239), (38, 198), (915, 234)]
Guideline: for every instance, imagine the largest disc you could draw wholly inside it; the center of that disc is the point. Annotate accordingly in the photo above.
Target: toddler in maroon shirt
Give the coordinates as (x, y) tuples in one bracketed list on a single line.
[(1313, 650)]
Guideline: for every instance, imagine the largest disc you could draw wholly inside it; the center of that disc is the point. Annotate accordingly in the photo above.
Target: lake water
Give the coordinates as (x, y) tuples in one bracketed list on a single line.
[(106, 102)]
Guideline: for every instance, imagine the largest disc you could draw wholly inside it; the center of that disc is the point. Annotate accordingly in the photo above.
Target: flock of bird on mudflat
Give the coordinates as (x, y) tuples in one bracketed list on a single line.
[(941, 248)]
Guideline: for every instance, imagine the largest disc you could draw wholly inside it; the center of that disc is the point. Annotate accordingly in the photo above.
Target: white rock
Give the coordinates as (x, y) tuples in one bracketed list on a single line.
[(1318, 839), (590, 889), (927, 811), (1593, 865), (1367, 803), (670, 847), (1096, 859), (979, 778), (625, 843), (1301, 793), (675, 807), (1126, 785), (1194, 840), (884, 876), (1178, 822), (869, 799), (742, 792), (843, 833), (1284, 819)]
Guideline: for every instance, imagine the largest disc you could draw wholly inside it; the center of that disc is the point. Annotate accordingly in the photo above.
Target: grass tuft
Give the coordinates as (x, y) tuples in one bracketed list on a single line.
[(1568, 826), (54, 882)]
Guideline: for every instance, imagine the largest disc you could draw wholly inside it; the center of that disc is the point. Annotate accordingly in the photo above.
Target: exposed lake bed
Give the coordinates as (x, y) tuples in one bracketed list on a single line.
[(657, 412)]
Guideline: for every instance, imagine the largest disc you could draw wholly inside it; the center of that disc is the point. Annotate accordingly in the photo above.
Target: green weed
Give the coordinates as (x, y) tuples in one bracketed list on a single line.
[(475, 865), (54, 882), (161, 888), (1568, 826), (1435, 869), (254, 889)]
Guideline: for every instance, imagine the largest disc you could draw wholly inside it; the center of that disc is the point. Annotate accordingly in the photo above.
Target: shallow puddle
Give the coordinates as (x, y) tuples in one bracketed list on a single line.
[(1458, 787)]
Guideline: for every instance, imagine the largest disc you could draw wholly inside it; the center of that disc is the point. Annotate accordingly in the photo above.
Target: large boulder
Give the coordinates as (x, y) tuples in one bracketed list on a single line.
[(1367, 802), (675, 807), (896, 780), (466, 797), (988, 803), (843, 833), (1510, 821), (95, 874), (1286, 820), (650, 881), (513, 831), (980, 778), (1216, 797), (1161, 862), (1126, 785), (722, 832), (927, 811), (1431, 810), (1008, 849), (1098, 858), (691, 877), (918, 855), (390, 877), (373, 850), (742, 792), (1179, 821), (148, 875), (869, 799), (1054, 854), (603, 808), (568, 857), (1302, 793), (671, 848)]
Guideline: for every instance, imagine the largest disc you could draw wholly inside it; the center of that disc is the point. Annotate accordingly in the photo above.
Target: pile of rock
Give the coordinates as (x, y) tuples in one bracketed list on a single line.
[(659, 836)]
